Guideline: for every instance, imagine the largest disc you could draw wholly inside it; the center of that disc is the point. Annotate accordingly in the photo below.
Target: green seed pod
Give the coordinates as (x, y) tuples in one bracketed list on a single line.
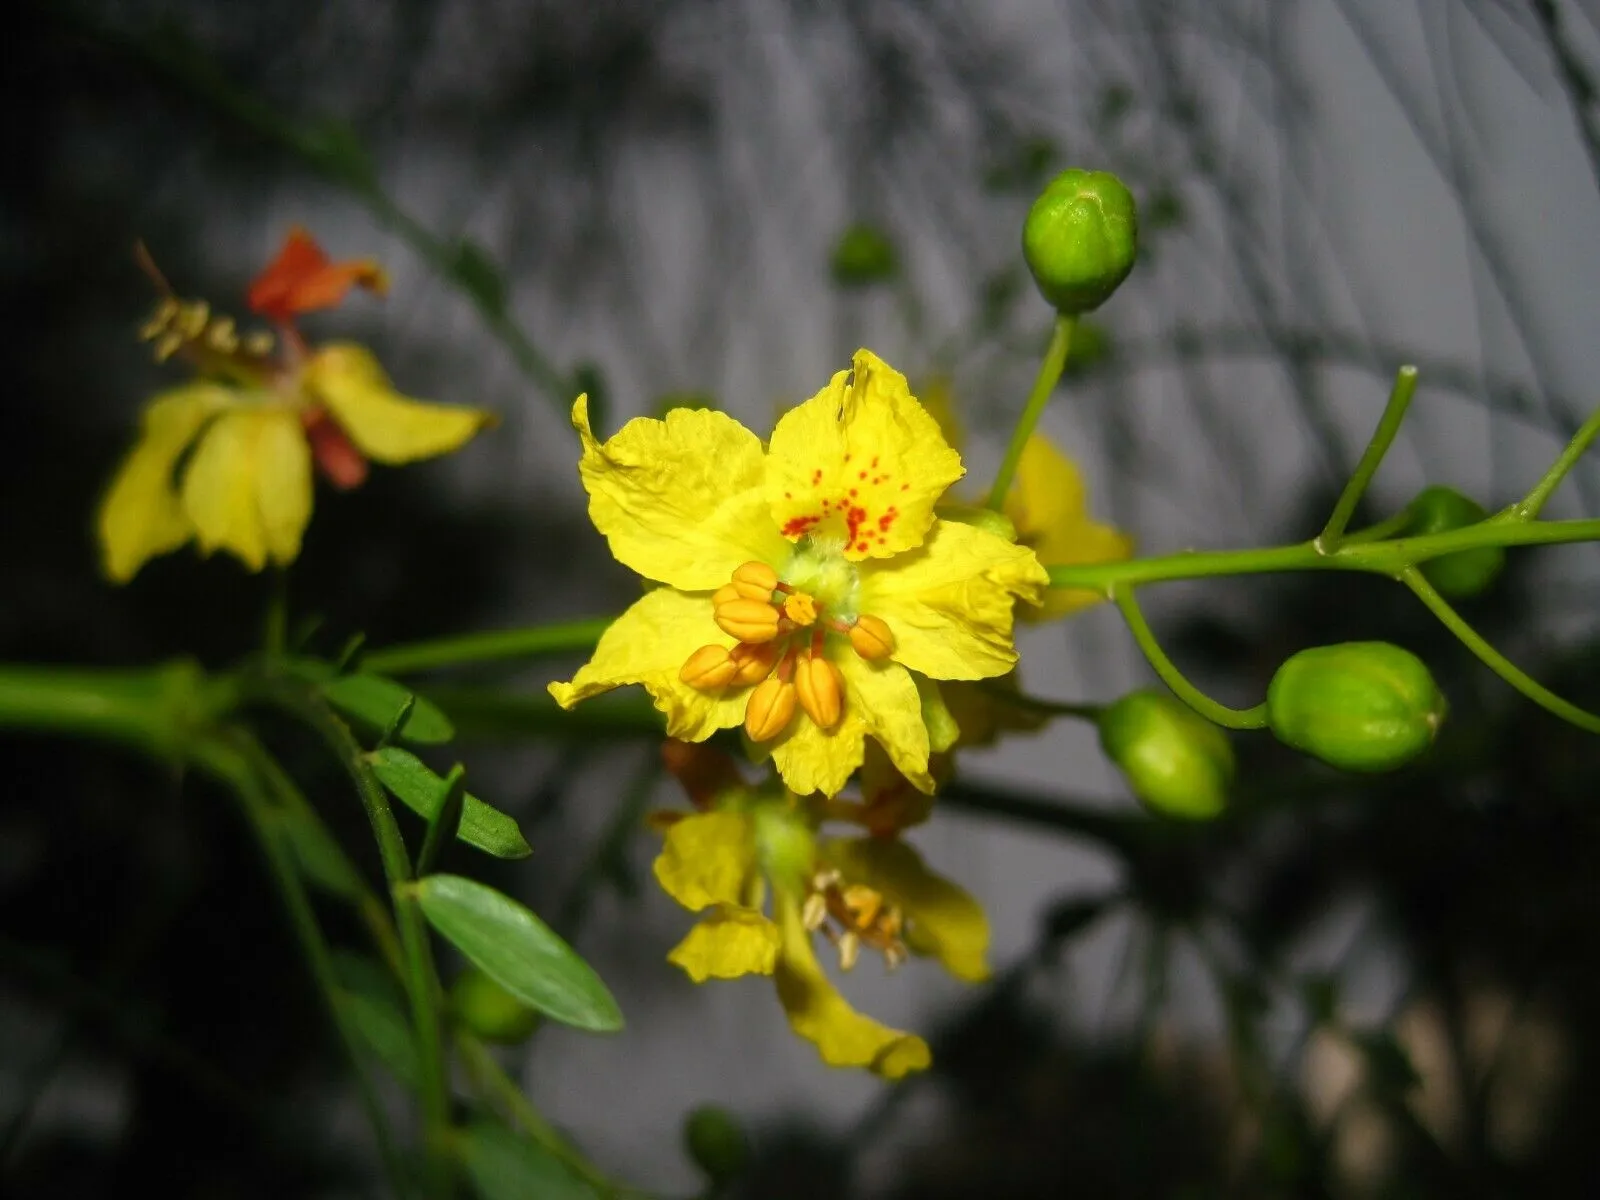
[(1360, 706), (488, 1010), (716, 1142), (1178, 763), (1080, 239), (863, 255), (1468, 572)]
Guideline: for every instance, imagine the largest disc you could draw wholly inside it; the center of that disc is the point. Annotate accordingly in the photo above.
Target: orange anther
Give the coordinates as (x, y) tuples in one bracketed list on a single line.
[(724, 594), (871, 637), (820, 688), (753, 663), (747, 620), (769, 710), (755, 581), (708, 668)]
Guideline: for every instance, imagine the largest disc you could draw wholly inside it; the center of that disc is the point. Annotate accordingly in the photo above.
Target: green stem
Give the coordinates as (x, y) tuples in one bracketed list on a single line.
[(487, 647), (1394, 414), (1493, 659), (1220, 714), (500, 1089), (148, 708), (420, 977), (1044, 384), (235, 763), (1379, 530), (1380, 558), (1533, 503)]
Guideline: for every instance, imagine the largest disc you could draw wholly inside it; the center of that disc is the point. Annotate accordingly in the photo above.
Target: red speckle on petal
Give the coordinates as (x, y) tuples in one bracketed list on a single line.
[(863, 474), (852, 491), (788, 495), (874, 460), (816, 477), (905, 487), (795, 526), (862, 546), (847, 458)]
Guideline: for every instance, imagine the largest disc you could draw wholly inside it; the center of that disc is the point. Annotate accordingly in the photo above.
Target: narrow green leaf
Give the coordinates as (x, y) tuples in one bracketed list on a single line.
[(319, 858), (479, 277), (506, 1166), (376, 1008), (518, 951), (420, 790), (445, 824), (376, 702)]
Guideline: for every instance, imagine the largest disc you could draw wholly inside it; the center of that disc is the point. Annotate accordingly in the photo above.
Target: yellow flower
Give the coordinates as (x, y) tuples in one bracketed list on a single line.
[(804, 581), (861, 893), (1049, 506), (227, 460)]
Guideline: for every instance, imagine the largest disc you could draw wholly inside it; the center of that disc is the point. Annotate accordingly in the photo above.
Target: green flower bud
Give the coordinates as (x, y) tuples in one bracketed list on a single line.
[(1360, 706), (1080, 239), (488, 1010), (978, 517), (716, 1142), (1178, 763), (863, 255), (1467, 572)]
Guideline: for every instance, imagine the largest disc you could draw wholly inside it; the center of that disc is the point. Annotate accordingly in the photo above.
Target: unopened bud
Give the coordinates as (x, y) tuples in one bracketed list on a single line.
[(708, 669), (488, 1010), (1177, 762), (747, 620), (769, 710), (820, 689), (755, 581), (871, 637), (1080, 239), (1465, 573), (1361, 706)]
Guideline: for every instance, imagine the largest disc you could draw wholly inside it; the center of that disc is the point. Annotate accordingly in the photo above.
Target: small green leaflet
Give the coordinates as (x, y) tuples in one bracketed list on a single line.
[(376, 702), (420, 790)]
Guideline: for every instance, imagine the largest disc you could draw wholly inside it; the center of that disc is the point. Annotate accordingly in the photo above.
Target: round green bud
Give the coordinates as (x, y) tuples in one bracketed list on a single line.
[(1178, 763), (1467, 572), (1080, 239), (863, 255), (1360, 706), (716, 1142), (485, 1008)]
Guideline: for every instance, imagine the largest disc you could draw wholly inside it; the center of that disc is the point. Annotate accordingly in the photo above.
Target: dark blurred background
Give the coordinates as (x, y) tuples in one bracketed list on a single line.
[(1348, 988)]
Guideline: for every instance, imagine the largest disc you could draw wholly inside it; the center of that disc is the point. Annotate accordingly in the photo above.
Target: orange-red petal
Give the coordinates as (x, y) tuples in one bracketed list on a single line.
[(303, 279)]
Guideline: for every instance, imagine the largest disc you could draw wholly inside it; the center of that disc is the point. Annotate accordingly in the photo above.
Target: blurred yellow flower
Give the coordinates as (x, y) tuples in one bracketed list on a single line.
[(1049, 505), (871, 893), (805, 580), (227, 460)]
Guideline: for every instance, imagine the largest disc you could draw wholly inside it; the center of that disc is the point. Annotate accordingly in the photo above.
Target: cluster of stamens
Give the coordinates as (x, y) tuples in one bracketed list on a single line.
[(189, 325), (781, 633), (852, 915)]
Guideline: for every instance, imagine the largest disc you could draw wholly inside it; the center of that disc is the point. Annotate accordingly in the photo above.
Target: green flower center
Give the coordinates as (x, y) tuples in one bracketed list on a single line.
[(818, 568)]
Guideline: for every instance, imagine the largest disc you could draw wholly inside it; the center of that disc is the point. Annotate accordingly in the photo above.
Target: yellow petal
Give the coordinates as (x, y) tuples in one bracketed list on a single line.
[(861, 463), (385, 426), (818, 1013), (707, 859), (220, 488), (142, 515), (984, 712), (283, 482), (1049, 506), (726, 943), (945, 921), (679, 500), (881, 701), (648, 644), (949, 604)]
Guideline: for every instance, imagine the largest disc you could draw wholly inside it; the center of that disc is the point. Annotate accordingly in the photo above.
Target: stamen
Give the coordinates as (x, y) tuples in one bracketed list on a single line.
[(814, 912), (708, 669), (871, 637), (755, 581), (769, 710), (724, 594), (849, 951), (752, 663), (820, 688), (747, 620)]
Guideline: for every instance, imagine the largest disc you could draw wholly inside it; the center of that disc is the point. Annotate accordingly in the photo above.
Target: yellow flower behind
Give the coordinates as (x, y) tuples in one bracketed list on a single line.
[(227, 461), (805, 580), (1049, 506), (871, 893)]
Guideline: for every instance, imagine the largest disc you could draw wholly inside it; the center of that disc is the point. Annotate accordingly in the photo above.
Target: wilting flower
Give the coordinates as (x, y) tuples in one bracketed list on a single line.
[(227, 459), (804, 581), (749, 851)]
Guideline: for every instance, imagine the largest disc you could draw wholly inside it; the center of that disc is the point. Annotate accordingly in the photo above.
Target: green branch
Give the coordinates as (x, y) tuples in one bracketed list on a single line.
[(494, 646), (1044, 385), (1220, 714), (1394, 414)]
